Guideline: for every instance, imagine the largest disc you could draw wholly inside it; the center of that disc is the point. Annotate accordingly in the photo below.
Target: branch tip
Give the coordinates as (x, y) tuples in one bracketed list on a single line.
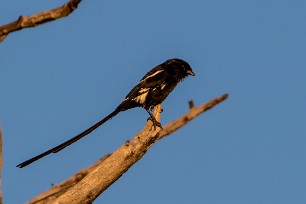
[(225, 96), (191, 104)]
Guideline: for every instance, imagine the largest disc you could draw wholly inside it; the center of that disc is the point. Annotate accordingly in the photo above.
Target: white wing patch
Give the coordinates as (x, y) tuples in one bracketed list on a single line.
[(142, 98), (155, 73), (142, 90), (163, 86)]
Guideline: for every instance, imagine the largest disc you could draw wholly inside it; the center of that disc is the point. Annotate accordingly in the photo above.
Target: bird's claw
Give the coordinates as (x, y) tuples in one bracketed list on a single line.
[(155, 123)]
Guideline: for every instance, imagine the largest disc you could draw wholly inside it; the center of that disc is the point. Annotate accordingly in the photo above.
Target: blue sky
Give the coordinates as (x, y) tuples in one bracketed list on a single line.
[(59, 78)]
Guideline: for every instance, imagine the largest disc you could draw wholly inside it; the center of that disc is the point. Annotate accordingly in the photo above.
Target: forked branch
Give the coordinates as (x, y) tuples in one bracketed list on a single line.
[(89, 183)]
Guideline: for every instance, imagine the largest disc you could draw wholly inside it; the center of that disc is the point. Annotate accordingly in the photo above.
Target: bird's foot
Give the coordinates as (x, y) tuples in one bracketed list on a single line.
[(155, 123)]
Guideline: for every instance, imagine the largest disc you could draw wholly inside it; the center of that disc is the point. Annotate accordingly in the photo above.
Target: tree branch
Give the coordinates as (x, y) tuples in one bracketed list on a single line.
[(39, 18), (89, 183), (1, 164)]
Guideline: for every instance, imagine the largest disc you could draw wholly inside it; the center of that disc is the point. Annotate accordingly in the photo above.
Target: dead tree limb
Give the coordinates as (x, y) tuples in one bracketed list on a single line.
[(89, 183), (1, 164), (38, 19)]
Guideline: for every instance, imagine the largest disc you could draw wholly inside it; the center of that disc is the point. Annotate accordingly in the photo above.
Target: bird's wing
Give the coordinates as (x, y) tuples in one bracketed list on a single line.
[(154, 78)]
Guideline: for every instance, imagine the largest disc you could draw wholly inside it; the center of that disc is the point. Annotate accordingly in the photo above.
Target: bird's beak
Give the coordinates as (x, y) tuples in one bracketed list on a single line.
[(190, 73)]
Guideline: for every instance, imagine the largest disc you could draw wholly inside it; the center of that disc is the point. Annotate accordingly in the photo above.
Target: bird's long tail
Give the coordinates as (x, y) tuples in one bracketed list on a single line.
[(72, 140)]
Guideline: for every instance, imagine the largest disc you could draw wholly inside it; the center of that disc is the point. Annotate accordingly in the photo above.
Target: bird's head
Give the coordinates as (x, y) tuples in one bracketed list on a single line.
[(181, 66)]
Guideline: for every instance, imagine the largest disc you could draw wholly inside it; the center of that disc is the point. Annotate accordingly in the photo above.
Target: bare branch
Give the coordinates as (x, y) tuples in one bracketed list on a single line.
[(89, 183), (193, 113), (1, 164), (57, 190), (113, 167), (39, 18)]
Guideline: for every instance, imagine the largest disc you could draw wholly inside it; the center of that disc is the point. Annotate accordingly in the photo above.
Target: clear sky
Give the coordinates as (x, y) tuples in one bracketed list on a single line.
[(59, 78)]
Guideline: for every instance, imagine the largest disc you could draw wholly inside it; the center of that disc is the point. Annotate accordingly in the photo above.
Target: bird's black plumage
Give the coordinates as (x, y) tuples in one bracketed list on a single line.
[(152, 90)]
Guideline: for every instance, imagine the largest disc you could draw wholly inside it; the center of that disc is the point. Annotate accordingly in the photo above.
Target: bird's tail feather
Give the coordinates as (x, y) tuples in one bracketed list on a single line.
[(72, 140)]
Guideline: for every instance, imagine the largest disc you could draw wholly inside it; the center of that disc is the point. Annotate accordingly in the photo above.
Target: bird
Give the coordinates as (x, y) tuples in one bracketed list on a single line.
[(151, 90)]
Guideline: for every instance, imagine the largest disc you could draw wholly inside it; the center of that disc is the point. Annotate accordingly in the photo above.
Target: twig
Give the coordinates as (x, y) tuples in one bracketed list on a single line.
[(39, 18), (193, 113)]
